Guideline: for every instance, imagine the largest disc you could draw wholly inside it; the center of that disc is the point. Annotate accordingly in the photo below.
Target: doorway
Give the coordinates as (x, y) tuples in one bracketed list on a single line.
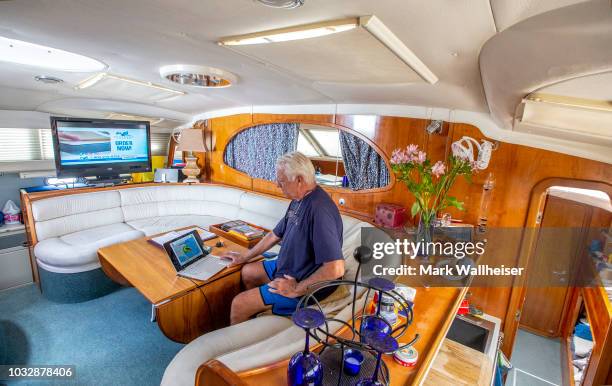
[(567, 220)]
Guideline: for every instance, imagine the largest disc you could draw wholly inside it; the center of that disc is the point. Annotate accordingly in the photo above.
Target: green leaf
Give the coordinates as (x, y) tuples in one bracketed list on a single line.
[(415, 209), (452, 201)]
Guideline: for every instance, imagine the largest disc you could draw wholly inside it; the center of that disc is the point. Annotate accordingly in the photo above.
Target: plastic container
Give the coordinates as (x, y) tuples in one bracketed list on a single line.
[(11, 213)]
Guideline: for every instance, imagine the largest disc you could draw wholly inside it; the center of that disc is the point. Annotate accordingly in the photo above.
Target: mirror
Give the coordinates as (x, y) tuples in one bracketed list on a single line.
[(340, 158)]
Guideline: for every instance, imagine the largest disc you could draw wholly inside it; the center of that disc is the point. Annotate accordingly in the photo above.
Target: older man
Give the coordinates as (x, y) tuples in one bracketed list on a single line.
[(311, 250)]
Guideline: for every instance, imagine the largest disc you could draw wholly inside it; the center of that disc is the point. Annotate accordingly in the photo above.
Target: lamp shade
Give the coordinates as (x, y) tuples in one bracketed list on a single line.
[(192, 140)]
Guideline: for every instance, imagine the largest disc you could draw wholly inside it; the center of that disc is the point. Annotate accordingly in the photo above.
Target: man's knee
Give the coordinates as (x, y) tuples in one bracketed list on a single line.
[(251, 275)]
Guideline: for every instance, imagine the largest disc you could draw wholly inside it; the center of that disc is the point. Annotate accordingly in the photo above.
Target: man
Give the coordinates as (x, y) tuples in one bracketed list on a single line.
[(311, 250)]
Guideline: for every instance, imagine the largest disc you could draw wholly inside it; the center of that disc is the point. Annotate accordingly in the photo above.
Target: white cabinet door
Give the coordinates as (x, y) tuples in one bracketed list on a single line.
[(15, 267)]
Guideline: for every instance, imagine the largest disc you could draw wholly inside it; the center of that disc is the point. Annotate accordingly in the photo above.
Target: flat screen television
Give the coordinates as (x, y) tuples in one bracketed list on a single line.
[(102, 148)]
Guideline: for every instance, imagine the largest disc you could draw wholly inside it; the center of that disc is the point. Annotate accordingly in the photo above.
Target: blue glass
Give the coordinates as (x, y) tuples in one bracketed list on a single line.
[(373, 324), (305, 368), (352, 361), (382, 343)]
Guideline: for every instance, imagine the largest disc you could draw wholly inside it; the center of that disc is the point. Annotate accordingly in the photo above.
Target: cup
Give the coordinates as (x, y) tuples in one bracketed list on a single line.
[(352, 361)]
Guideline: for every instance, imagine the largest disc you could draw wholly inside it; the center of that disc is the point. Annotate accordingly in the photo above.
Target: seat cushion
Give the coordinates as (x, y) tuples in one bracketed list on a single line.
[(154, 225), (78, 251), (182, 370)]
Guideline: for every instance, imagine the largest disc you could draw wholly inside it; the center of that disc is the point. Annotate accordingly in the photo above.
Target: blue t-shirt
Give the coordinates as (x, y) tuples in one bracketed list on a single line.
[(311, 234)]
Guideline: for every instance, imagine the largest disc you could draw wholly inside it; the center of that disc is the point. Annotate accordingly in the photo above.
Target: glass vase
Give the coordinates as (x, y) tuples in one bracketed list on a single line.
[(424, 234)]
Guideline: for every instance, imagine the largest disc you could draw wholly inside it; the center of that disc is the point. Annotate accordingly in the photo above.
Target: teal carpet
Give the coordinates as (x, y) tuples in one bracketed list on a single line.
[(110, 340)]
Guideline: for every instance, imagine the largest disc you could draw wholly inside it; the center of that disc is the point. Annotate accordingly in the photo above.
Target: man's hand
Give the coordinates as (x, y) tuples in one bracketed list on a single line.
[(237, 258), (286, 286)]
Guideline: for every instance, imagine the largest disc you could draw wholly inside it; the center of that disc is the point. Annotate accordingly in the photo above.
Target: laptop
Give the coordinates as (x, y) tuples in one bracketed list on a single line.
[(192, 259)]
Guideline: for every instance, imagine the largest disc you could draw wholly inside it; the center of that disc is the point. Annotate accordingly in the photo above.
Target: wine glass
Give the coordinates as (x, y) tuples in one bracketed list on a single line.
[(382, 344), (375, 323), (305, 367)]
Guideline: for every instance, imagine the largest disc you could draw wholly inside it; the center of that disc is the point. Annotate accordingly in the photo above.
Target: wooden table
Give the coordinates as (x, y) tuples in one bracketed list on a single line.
[(184, 308)]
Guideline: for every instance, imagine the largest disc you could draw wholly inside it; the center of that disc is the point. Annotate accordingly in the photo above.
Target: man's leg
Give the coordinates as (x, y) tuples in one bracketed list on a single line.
[(247, 304), (254, 275)]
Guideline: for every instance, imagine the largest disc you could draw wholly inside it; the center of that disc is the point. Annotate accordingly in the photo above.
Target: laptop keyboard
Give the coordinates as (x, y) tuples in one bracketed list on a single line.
[(205, 268)]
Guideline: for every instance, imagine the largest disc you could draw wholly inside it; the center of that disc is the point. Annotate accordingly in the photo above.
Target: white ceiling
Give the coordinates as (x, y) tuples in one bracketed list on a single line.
[(136, 37)]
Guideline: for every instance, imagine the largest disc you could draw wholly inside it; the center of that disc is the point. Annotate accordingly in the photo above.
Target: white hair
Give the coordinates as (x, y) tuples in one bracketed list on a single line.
[(296, 164)]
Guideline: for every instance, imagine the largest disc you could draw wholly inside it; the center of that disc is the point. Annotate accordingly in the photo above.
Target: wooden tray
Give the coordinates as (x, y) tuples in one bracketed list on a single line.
[(215, 228)]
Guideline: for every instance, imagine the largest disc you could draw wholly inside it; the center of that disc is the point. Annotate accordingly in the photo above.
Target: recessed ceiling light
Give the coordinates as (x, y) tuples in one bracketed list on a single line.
[(197, 76), (288, 4), (47, 79), (292, 33), (30, 54)]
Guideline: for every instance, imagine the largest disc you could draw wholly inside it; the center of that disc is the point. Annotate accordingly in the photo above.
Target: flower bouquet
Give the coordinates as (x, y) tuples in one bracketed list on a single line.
[(429, 183)]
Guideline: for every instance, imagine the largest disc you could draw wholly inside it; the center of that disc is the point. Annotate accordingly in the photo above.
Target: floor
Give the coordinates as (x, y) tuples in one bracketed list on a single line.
[(110, 340), (536, 361)]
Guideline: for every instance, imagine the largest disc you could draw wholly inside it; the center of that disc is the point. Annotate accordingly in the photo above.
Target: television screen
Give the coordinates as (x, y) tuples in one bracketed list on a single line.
[(99, 147)]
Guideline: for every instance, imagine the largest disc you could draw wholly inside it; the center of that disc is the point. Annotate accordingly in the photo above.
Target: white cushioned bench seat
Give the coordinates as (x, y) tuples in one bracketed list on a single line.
[(70, 229)]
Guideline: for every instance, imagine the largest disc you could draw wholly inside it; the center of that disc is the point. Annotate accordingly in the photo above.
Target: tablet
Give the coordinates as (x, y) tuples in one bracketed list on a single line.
[(185, 250)]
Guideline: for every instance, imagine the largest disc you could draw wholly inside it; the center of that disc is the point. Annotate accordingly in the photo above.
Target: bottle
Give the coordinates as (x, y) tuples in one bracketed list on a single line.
[(485, 201)]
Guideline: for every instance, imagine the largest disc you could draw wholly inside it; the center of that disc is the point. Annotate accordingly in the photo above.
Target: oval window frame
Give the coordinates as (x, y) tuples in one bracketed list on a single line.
[(386, 157)]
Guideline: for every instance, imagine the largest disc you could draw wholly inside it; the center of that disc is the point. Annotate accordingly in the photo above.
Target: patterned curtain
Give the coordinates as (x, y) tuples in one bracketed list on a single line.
[(255, 150), (364, 167)]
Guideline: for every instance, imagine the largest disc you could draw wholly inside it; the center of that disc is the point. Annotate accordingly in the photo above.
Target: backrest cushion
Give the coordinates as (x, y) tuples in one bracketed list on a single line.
[(262, 210), (58, 216), (174, 200)]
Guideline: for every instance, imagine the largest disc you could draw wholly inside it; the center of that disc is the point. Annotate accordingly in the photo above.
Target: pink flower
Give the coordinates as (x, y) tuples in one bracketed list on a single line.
[(438, 169), (399, 157), (412, 149), (419, 157)]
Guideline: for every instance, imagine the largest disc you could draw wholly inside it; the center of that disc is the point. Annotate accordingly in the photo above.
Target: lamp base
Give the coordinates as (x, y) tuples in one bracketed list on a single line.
[(191, 170)]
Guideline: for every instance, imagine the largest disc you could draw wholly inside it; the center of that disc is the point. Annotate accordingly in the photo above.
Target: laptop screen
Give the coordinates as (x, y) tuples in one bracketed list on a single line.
[(186, 249)]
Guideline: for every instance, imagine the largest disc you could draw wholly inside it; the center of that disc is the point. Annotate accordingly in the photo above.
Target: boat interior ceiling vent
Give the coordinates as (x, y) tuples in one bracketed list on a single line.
[(117, 86), (287, 4), (569, 118), (198, 76), (360, 50)]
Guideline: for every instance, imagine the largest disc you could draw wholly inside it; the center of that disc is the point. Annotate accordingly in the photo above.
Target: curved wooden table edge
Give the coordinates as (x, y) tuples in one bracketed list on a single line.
[(424, 366)]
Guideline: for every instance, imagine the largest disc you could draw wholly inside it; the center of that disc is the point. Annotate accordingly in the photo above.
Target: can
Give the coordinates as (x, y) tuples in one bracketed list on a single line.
[(406, 357)]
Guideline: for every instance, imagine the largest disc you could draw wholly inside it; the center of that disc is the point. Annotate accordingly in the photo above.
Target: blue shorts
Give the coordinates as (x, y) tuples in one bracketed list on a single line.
[(281, 305)]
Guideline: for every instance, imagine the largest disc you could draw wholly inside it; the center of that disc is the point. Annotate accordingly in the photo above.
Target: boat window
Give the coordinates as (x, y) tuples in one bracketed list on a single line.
[(18, 144), (341, 159)]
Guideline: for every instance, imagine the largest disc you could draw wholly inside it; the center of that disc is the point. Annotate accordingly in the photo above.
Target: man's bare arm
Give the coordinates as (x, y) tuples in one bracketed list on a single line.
[(263, 245), (290, 288)]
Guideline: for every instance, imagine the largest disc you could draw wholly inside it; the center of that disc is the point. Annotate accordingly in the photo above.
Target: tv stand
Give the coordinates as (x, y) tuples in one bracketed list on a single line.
[(109, 180)]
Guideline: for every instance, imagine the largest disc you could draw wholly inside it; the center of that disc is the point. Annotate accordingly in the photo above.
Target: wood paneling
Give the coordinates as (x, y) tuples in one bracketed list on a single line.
[(557, 251)]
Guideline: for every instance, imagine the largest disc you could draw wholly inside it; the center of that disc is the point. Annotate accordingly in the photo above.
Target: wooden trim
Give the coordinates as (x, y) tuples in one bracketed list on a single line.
[(383, 154), (528, 243), (215, 373)]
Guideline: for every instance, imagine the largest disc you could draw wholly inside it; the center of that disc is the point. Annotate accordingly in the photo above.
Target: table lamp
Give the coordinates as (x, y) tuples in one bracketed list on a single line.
[(191, 140)]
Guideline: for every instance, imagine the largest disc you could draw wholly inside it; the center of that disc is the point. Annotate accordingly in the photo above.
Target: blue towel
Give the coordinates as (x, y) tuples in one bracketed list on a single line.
[(583, 331)]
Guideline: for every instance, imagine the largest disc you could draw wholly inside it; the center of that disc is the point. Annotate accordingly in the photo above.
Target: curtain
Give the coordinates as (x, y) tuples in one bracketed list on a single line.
[(365, 169), (255, 150)]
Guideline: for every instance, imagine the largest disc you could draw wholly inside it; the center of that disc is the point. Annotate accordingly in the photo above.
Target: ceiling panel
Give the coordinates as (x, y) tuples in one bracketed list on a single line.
[(353, 56)]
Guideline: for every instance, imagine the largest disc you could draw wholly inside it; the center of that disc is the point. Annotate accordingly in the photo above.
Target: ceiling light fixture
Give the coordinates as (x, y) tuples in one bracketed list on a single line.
[(370, 23), (306, 31), (381, 32), (198, 76), (287, 4), (47, 79), (89, 82), (30, 54)]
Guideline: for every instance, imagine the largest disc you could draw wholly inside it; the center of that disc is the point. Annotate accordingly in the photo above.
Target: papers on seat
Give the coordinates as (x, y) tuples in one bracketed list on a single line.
[(161, 240)]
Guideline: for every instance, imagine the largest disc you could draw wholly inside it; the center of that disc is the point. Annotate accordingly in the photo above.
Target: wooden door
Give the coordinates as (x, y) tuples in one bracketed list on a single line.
[(560, 240)]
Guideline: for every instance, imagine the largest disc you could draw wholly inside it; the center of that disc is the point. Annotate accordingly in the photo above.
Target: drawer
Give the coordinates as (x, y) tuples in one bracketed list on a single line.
[(15, 267)]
